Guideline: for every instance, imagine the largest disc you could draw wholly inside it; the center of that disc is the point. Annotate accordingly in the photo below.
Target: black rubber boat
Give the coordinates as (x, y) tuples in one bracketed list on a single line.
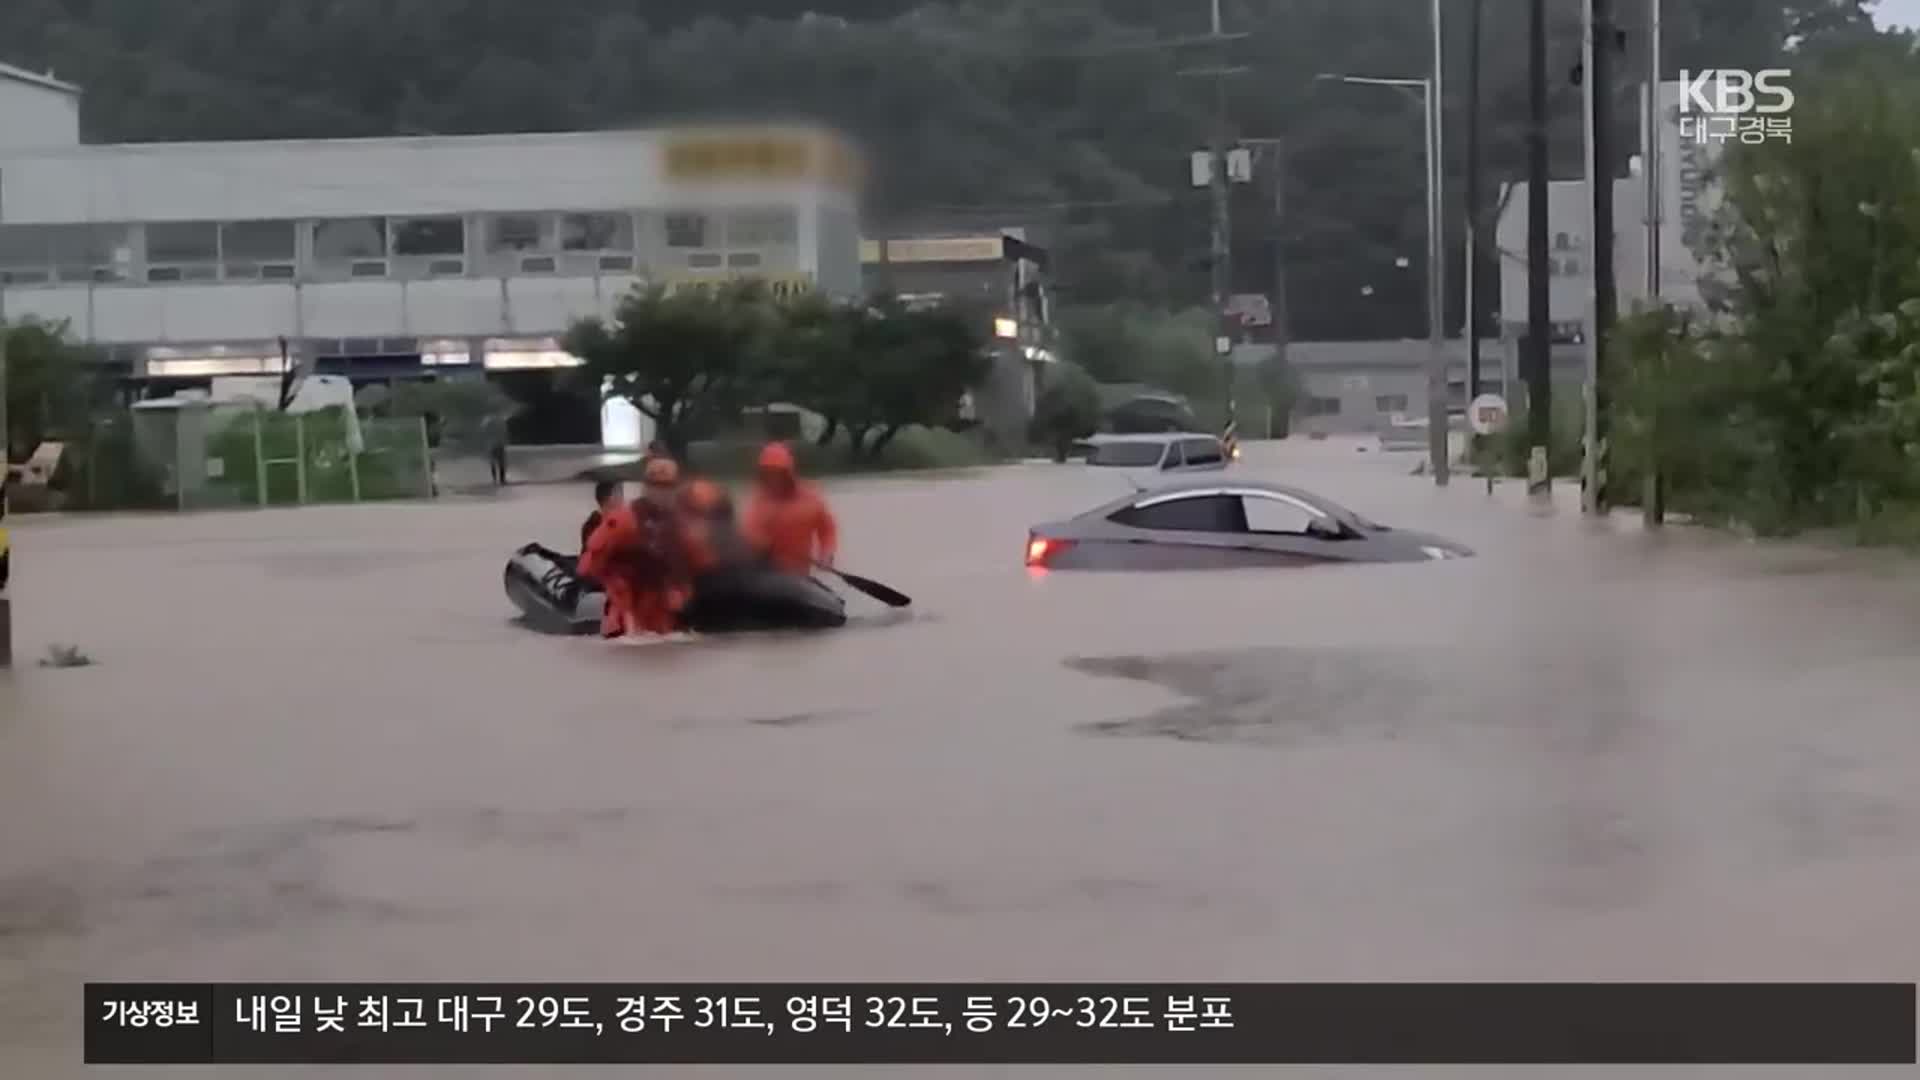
[(545, 585)]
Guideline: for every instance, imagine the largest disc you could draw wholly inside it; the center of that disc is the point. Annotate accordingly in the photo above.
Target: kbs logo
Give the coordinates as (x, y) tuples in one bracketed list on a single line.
[(1721, 104), (1735, 92)]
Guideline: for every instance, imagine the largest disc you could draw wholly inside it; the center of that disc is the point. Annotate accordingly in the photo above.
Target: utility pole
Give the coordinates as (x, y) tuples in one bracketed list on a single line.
[(1473, 199), (1650, 156), (6, 462), (1653, 508), (1598, 83), (1222, 223), (1539, 339), (1439, 442), (1277, 309)]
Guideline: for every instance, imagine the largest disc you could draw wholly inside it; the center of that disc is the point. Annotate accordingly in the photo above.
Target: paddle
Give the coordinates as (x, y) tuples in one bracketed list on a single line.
[(888, 596)]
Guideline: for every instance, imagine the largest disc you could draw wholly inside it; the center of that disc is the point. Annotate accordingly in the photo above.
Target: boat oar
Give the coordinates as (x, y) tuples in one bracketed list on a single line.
[(886, 595)]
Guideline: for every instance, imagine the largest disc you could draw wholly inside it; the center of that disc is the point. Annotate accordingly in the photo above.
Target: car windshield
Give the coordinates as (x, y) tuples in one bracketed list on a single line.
[(1127, 455)]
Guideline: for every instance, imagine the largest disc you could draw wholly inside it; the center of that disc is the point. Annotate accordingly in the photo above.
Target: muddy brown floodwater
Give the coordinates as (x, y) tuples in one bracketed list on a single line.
[(313, 747)]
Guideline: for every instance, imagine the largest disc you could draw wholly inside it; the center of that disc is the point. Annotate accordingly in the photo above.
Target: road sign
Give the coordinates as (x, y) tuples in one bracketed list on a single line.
[(1488, 414)]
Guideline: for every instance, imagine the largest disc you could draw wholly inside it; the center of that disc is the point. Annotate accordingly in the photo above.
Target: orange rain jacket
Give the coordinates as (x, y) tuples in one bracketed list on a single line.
[(639, 556), (791, 529)]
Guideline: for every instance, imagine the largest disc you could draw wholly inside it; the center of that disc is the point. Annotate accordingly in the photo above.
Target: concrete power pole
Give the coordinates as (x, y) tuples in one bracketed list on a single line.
[(1222, 246), (1439, 442), (1598, 80), (1653, 496), (6, 459), (1472, 279), (1539, 339)]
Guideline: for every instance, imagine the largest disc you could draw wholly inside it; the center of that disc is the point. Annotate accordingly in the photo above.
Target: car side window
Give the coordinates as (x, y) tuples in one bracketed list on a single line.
[(1172, 458), (1201, 513), (1278, 516), (1204, 452)]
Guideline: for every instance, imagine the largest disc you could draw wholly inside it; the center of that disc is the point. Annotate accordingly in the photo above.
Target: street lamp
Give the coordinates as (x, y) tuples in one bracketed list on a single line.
[(1423, 91)]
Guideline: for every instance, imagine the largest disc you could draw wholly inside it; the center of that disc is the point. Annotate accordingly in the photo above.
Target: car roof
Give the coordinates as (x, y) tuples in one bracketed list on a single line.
[(1224, 487), (1150, 437)]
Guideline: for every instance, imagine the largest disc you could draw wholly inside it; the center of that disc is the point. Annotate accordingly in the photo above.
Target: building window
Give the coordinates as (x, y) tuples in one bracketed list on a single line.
[(689, 230), (344, 239), (596, 232), (1323, 406), (1562, 242), (1390, 403), (429, 236), (762, 229), (520, 233), (87, 253), (743, 260), (257, 249), (183, 242)]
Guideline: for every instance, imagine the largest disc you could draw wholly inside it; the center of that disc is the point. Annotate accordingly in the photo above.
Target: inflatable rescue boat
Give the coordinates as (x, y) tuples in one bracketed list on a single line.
[(547, 588)]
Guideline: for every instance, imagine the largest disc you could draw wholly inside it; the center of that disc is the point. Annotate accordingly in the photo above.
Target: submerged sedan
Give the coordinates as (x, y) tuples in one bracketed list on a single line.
[(1208, 524)]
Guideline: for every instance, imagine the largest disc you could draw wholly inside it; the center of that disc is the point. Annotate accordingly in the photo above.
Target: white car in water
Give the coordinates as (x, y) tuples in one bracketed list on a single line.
[(1158, 453)]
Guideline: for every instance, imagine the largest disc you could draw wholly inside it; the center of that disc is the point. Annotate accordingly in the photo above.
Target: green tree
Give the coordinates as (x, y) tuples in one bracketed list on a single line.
[(462, 413), (51, 386), (1794, 406), (683, 356), (909, 366), (812, 358), (1067, 410)]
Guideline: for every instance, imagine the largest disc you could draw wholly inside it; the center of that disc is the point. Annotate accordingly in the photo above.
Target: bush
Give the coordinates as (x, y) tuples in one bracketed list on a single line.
[(1508, 452)]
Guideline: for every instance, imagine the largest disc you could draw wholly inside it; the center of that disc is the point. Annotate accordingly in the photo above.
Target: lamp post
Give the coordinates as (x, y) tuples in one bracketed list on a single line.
[(1424, 91)]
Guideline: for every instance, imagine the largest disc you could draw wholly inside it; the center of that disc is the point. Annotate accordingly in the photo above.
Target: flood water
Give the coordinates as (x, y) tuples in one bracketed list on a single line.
[(313, 747)]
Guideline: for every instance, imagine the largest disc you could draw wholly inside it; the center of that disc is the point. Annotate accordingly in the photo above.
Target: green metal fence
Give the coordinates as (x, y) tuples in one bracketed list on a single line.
[(207, 457)]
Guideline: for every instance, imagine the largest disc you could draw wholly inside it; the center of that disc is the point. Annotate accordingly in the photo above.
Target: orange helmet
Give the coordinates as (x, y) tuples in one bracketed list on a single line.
[(661, 472), (703, 497), (777, 456)]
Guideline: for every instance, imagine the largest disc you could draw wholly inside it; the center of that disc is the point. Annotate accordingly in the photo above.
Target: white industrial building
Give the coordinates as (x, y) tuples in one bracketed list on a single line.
[(383, 257)]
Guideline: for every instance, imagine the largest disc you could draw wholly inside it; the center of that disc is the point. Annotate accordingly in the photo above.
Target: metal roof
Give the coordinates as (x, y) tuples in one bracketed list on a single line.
[(31, 78)]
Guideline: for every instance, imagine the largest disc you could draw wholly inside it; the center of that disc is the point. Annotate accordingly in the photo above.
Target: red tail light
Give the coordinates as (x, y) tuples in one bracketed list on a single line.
[(1041, 549)]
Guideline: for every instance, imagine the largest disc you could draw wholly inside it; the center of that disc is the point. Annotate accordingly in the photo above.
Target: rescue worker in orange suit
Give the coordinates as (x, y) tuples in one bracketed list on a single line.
[(787, 520), (638, 555), (606, 499), (706, 518)]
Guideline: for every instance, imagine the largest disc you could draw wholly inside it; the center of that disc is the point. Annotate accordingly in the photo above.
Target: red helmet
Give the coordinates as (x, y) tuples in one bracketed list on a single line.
[(703, 496), (776, 456)]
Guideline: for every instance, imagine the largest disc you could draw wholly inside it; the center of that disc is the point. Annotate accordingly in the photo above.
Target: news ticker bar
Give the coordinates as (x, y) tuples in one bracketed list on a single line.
[(999, 1023)]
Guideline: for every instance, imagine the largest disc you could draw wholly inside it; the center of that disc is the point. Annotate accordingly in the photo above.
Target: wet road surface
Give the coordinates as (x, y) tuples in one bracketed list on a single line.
[(313, 747)]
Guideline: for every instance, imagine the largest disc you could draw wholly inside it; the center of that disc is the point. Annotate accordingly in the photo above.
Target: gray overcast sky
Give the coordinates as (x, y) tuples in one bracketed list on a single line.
[(1897, 13)]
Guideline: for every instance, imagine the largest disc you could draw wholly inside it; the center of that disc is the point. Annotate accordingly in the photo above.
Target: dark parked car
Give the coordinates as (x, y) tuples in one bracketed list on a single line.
[(1206, 524)]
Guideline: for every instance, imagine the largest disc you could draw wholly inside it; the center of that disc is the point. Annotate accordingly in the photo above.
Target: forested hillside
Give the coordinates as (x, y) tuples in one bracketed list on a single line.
[(1047, 111)]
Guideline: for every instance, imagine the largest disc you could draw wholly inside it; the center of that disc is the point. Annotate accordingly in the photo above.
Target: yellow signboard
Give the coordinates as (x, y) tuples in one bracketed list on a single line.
[(782, 286), (946, 249), (775, 155)]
